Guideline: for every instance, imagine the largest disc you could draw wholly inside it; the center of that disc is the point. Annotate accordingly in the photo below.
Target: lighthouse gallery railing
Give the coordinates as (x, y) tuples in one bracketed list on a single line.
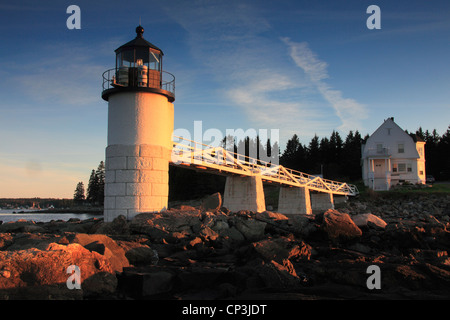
[(112, 78)]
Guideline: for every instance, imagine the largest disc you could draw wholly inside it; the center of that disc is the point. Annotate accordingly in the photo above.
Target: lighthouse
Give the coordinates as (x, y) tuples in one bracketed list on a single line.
[(140, 98)]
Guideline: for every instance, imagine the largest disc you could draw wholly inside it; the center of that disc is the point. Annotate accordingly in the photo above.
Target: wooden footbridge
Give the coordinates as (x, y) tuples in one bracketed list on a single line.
[(217, 160)]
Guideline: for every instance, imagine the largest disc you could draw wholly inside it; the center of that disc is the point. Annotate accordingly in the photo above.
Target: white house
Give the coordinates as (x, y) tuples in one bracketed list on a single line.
[(391, 156)]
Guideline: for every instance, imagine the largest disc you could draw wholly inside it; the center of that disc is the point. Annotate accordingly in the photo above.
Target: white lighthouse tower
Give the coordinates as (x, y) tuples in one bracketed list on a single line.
[(140, 125)]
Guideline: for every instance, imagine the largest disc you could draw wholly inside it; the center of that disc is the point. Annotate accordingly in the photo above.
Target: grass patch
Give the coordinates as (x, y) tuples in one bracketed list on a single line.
[(439, 189)]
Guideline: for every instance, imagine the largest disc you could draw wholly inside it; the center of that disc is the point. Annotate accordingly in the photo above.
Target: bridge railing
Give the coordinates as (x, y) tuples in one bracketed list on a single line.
[(189, 152)]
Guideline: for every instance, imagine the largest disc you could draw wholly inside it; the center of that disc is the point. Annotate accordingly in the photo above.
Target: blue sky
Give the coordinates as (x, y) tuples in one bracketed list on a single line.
[(304, 67)]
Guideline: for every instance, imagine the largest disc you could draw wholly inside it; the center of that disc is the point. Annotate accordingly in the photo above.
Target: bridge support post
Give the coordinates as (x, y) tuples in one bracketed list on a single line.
[(244, 193), (294, 200), (322, 201)]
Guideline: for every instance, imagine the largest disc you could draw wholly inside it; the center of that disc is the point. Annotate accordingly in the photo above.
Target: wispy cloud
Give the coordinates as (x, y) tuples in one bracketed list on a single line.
[(349, 111), (274, 102), (254, 71), (230, 40)]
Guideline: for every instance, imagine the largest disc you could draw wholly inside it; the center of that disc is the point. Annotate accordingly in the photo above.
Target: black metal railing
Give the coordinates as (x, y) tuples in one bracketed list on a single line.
[(138, 77)]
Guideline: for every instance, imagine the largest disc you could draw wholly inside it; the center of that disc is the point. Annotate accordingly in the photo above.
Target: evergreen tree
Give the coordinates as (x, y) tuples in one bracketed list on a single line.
[(420, 133), (326, 154), (272, 152), (336, 146), (432, 153), (229, 143), (294, 155), (78, 195), (96, 186), (443, 151), (93, 187), (351, 159), (275, 153), (314, 159), (100, 174), (291, 147)]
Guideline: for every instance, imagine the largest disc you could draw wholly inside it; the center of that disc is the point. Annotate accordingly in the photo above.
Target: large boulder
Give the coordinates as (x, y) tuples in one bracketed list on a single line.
[(119, 226), (20, 226), (278, 275), (232, 234), (25, 241), (212, 202), (282, 248), (339, 226), (368, 220), (105, 246), (138, 253), (168, 224), (42, 274), (303, 225), (251, 229)]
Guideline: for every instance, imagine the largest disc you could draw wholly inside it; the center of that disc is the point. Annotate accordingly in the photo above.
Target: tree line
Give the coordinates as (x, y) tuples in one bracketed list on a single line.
[(95, 190), (437, 153), (333, 157), (12, 203)]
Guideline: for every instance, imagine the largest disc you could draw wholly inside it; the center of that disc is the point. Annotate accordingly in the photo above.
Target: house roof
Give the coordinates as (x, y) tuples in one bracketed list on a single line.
[(391, 135)]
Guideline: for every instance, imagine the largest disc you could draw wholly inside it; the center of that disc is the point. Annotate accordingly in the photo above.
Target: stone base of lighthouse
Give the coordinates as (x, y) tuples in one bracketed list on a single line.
[(137, 180)]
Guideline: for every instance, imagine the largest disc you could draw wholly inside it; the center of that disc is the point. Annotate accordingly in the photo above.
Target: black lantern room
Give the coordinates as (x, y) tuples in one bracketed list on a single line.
[(138, 68)]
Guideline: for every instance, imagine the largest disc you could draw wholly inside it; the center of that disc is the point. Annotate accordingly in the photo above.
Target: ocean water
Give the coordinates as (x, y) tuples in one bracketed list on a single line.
[(8, 215)]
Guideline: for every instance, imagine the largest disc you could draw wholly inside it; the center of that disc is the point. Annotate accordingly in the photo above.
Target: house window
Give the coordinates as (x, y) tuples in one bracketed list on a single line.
[(389, 131), (401, 148), (401, 167), (379, 148)]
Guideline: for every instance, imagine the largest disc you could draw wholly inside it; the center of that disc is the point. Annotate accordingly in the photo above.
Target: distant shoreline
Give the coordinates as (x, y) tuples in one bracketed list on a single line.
[(77, 210)]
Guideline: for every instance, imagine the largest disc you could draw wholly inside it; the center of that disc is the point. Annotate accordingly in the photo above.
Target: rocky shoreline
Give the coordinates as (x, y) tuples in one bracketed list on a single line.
[(208, 252)]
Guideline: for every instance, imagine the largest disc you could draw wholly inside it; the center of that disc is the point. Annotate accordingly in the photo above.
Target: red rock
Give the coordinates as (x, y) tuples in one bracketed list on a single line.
[(113, 252), (271, 216), (44, 272), (367, 219), (282, 248), (339, 225)]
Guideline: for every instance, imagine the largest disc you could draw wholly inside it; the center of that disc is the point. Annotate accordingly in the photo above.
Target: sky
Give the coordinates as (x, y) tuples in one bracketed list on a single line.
[(299, 67)]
